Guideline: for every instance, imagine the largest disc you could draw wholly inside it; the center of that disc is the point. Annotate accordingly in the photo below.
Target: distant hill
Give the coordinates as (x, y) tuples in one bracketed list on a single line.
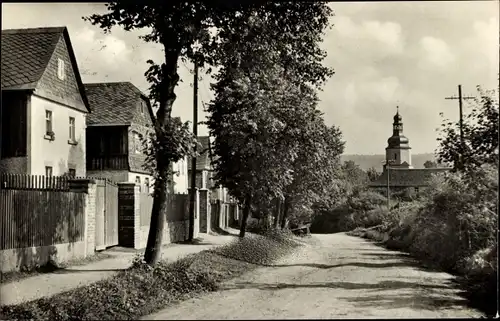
[(368, 161)]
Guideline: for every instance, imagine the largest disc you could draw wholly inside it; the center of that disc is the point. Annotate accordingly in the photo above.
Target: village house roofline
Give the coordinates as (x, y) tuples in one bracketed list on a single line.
[(26, 54), (404, 177), (203, 161), (115, 103)]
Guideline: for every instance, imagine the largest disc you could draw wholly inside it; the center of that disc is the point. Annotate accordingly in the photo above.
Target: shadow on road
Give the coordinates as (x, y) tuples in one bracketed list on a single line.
[(384, 285), (426, 296), (415, 300), (357, 264)]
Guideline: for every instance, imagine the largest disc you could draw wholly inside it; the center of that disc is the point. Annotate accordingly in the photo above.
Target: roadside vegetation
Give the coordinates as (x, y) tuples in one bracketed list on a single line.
[(453, 224), (142, 289)]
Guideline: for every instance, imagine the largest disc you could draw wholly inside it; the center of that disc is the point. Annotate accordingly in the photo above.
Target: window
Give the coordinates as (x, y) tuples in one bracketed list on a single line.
[(137, 143), (48, 171), (416, 190), (138, 182), (60, 69), (72, 129), (72, 172), (146, 185), (48, 122), (142, 107), (395, 156)]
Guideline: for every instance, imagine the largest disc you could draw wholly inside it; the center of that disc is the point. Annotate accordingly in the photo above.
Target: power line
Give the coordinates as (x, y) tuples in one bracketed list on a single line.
[(462, 141)]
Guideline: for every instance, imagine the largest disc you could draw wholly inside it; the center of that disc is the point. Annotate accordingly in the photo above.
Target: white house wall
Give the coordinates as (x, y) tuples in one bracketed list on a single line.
[(181, 178), (58, 154)]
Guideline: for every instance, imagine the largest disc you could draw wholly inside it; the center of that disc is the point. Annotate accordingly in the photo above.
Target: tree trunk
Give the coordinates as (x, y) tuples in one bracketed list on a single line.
[(166, 96), (286, 206), (277, 214), (160, 203), (246, 212)]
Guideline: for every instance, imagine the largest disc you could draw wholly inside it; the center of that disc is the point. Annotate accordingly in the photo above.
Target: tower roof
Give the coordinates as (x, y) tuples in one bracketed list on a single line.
[(398, 140), (397, 117)]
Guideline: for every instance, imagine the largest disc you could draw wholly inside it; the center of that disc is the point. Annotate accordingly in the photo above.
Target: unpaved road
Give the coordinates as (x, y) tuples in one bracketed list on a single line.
[(338, 276)]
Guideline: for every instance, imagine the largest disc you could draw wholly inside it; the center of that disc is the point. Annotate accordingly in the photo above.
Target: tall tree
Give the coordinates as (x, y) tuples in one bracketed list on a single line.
[(267, 64), (194, 31), (315, 169), (480, 128)]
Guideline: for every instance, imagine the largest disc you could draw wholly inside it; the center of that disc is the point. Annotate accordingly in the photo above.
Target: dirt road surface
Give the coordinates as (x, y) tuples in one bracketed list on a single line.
[(336, 276)]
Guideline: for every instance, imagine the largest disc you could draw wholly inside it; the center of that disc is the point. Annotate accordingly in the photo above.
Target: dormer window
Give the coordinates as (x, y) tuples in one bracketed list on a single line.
[(61, 73)]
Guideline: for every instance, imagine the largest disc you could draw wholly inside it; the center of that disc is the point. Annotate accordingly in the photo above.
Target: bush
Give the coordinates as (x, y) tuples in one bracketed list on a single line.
[(363, 209), (453, 226), (460, 217), (258, 249)]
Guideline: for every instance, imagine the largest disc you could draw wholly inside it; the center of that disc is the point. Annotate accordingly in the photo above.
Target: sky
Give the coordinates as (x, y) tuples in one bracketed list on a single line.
[(385, 54)]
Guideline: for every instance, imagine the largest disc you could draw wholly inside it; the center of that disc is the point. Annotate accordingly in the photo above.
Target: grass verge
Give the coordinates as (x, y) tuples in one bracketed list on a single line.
[(142, 290), (50, 267)]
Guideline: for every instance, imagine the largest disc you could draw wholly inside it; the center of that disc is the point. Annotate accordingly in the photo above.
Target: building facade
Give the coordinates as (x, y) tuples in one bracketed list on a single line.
[(44, 105)]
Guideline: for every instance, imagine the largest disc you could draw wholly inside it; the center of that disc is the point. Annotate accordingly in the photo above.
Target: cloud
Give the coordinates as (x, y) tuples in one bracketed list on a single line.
[(487, 36), (101, 51), (384, 37), (388, 33), (436, 51)]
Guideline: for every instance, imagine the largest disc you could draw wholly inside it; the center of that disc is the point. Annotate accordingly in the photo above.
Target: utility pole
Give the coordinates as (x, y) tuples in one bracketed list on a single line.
[(388, 189), (192, 202), (388, 168), (461, 122)]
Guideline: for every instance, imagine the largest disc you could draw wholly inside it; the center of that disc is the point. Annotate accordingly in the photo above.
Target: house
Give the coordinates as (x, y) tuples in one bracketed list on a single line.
[(398, 172), (214, 199), (204, 170), (44, 104), (121, 115)]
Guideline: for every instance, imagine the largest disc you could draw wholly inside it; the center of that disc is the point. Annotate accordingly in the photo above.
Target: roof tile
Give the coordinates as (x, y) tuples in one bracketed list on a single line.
[(112, 103), (26, 53), (407, 177)]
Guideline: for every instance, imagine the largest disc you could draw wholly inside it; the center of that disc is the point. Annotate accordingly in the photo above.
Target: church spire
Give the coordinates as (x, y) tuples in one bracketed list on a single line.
[(397, 125)]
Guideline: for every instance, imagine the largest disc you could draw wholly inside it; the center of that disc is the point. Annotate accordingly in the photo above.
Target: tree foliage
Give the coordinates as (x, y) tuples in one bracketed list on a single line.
[(205, 32), (264, 115), (372, 173), (480, 128), (430, 164)]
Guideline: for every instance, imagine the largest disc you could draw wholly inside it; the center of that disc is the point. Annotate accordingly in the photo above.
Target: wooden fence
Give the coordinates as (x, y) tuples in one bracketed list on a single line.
[(40, 182), (31, 218), (37, 210), (21, 181)]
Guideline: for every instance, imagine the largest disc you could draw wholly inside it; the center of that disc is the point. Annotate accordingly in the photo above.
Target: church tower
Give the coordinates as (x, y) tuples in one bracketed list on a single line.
[(398, 149)]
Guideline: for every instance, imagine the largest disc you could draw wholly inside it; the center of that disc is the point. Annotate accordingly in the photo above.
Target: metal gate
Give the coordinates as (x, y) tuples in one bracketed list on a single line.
[(106, 220)]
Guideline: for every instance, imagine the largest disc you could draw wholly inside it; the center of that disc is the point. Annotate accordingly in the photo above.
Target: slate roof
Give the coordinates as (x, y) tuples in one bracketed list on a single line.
[(25, 54), (203, 161), (112, 103), (407, 177)]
